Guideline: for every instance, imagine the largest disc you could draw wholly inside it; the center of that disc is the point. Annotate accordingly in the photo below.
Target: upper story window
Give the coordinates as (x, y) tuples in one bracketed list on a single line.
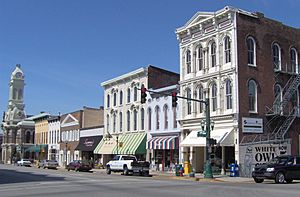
[(121, 121), (227, 48), (149, 119), (107, 123), (200, 58), (115, 99), (114, 122), (121, 97), (294, 58), (213, 57), (157, 117), (108, 101), (251, 51), (15, 91), (27, 138), (189, 103), (20, 94), (276, 56), (201, 97), (142, 119), (135, 92), (135, 120), (128, 95), (252, 96), (228, 94), (166, 122), (278, 97), (214, 92), (128, 120), (188, 61)]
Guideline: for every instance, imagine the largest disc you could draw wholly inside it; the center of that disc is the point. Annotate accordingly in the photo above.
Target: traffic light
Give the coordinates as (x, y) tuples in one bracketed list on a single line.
[(212, 141), (174, 99), (143, 94)]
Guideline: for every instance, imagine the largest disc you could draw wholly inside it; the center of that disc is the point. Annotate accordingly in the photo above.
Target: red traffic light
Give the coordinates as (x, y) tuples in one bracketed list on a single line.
[(174, 99)]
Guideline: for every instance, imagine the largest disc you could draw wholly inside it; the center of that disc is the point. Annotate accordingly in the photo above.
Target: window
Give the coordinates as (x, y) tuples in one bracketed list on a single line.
[(189, 103), (293, 54), (276, 56), (135, 94), (15, 93), (20, 94), (121, 121), (251, 48), (252, 95), (114, 123), (213, 54), (166, 116), (157, 117), (214, 96), (228, 95), (108, 101), (107, 123), (200, 58), (227, 49), (142, 119), (201, 97), (149, 119), (27, 139), (121, 98), (128, 120), (135, 120), (128, 95), (115, 99), (188, 62), (174, 117)]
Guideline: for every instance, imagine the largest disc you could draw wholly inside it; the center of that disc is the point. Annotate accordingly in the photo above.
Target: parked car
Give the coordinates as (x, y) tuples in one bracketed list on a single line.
[(79, 165), (24, 162), (282, 169), (48, 164)]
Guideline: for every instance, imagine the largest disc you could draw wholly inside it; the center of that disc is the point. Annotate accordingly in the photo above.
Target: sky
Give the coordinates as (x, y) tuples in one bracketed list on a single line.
[(66, 48)]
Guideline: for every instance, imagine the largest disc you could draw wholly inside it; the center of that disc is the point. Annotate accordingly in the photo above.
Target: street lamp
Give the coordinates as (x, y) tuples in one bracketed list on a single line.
[(117, 137)]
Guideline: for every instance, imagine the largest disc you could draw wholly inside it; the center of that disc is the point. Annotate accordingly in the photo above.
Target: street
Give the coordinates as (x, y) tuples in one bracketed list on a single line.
[(30, 181)]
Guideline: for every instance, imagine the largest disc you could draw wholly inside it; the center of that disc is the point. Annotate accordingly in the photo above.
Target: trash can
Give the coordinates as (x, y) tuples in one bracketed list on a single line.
[(177, 168), (234, 170), (187, 167)]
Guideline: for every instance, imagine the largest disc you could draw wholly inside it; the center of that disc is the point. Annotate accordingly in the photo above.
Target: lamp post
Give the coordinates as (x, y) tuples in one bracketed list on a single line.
[(117, 137), (66, 157)]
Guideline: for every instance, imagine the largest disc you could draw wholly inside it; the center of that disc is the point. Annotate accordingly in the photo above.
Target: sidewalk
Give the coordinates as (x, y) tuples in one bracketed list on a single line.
[(198, 177)]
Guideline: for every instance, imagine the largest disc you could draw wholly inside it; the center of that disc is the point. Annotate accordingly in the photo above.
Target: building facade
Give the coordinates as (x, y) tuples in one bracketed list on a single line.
[(53, 137), (225, 56)]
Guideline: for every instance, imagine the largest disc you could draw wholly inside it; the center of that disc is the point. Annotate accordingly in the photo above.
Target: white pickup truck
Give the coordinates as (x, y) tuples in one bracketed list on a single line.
[(24, 162), (127, 164)]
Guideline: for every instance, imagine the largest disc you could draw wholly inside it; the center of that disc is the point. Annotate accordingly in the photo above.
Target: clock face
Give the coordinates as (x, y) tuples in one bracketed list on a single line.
[(18, 75)]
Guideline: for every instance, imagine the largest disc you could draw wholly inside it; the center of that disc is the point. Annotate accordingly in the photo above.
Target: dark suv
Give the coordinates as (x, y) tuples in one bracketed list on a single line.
[(281, 169)]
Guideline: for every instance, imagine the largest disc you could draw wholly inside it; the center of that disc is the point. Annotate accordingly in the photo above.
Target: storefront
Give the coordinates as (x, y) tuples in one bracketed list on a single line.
[(86, 146), (164, 152)]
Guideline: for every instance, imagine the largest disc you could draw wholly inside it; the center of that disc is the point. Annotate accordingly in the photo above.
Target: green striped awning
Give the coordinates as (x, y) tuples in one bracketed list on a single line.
[(131, 144)]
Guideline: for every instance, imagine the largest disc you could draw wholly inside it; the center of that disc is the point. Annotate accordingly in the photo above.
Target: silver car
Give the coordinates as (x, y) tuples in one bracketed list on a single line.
[(48, 164)]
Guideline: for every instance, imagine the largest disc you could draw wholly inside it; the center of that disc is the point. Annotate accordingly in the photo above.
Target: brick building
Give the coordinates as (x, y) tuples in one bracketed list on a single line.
[(247, 65)]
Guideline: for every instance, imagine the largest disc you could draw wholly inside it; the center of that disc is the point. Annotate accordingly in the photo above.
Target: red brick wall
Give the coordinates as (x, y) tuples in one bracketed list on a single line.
[(159, 78)]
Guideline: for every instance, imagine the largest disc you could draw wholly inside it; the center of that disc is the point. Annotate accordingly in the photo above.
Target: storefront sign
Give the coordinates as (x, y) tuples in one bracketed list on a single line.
[(88, 142), (252, 125)]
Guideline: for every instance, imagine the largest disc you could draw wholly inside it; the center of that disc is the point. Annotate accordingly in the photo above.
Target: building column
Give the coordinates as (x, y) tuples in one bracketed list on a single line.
[(223, 161)]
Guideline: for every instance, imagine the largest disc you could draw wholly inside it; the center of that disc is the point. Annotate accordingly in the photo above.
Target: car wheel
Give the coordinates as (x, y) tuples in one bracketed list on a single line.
[(108, 170), (125, 170), (68, 169), (279, 178), (258, 180)]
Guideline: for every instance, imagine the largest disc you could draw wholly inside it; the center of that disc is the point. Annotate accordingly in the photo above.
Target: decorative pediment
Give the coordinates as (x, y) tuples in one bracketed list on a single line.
[(69, 120), (198, 17)]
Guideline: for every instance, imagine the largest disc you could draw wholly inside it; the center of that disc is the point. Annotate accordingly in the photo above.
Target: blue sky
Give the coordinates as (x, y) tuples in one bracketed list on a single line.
[(68, 47)]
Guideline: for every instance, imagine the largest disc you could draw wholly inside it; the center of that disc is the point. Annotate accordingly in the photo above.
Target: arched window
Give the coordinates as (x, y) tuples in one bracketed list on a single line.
[(142, 119), (108, 101), (294, 58), (252, 95), (174, 117), (228, 94), (121, 97), (135, 94), (227, 48), (200, 59), (251, 48), (278, 97), (135, 120), (20, 94), (166, 121), (121, 121), (276, 56), (15, 91), (149, 119), (128, 95), (201, 97), (107, 123), (114, 122), (157, 117), (214, 92), (115, 99), (189, 103), (213, 57), (27, 138), (128, 120), (188, 61)]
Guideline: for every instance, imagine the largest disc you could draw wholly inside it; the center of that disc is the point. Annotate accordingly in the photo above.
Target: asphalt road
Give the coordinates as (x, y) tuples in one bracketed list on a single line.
[(30, 181)]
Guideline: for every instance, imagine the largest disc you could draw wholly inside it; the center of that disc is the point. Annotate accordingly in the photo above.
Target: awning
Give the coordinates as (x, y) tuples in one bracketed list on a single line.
[(37, 148), (105, 146), (132, 144), (88, 143), (163, 142), (224, 137)]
